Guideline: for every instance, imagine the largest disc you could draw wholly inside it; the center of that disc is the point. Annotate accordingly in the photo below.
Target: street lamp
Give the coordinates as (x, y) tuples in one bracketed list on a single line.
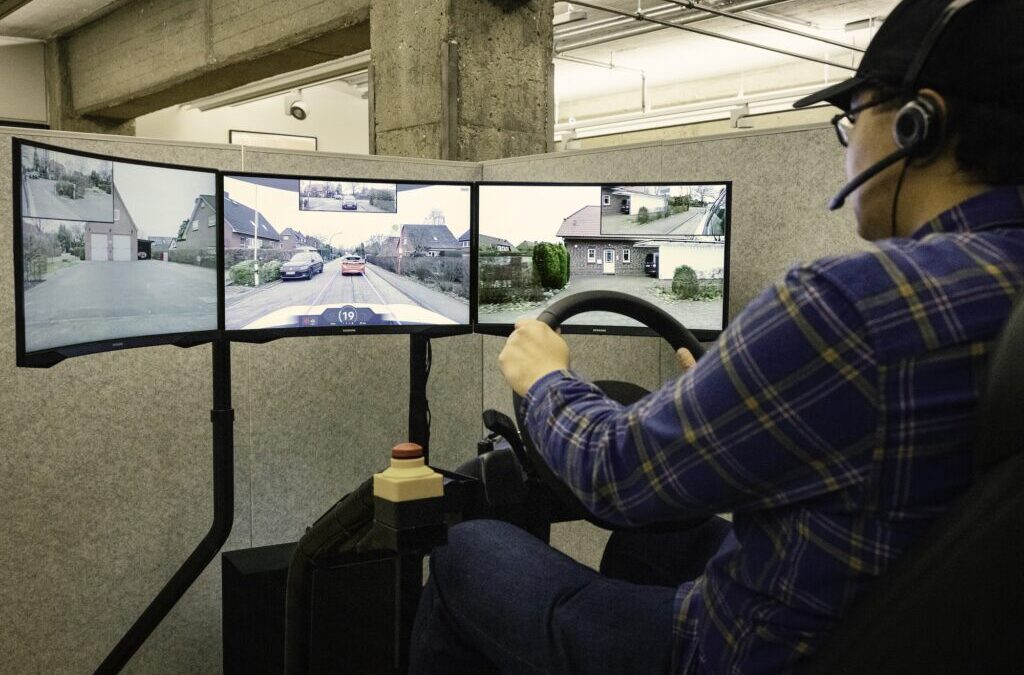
[(256, 241)]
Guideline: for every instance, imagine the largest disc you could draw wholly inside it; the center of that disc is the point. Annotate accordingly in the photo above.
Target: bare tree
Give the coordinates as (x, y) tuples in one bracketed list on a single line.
[(376, 244), (704, 193)]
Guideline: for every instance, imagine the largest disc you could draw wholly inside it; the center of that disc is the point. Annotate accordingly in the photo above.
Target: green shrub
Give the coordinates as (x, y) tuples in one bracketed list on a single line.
[(685, 285), (493, 295), (496, 295), (34, 268), (270, 271), (65, 188), (564, 252), (549, 265), (643, 215), (243, 273), (201, 257)]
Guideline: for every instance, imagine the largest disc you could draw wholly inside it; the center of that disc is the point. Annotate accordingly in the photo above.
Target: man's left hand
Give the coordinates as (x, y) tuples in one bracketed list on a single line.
[(532, 351)]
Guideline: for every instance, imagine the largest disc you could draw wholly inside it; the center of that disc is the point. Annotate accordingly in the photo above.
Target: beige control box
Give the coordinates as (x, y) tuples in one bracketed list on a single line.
[(408, 477)]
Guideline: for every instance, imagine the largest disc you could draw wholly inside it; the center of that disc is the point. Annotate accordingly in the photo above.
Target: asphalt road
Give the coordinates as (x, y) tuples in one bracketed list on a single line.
[(42, 201), (694, 314), (109, 300), (376, 286), (331, 204)]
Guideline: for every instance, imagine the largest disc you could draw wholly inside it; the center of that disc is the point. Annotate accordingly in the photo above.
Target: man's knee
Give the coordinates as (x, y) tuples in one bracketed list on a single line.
[(473, 548)]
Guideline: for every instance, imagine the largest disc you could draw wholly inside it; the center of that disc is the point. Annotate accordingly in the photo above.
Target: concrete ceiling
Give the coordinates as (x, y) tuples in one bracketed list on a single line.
[(44, 19), (677, 67)]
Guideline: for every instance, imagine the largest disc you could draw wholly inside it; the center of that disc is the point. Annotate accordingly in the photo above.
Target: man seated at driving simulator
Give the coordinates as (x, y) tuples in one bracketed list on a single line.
[(834, 418)]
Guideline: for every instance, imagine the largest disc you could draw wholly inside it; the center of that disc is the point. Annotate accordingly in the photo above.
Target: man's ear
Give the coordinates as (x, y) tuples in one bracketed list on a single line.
[(924, 122)]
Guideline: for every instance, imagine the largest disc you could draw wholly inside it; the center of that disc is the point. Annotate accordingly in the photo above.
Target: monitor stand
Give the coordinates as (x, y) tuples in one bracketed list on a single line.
[(222, 417)]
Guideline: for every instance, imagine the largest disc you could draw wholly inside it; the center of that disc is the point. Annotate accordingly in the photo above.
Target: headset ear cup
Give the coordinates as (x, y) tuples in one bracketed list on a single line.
[(918, 126)]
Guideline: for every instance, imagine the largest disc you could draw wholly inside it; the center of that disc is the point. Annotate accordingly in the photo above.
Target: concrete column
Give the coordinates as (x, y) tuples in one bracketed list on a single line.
[(60, 107), (461, 79)]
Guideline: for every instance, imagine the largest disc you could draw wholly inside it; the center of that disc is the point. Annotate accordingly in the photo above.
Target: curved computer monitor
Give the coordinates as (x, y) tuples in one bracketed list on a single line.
[(111, 253), (666, 243), (311, 256)]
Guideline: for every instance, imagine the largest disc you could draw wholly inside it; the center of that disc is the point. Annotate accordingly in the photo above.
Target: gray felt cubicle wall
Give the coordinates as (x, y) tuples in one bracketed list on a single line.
[(105, 459)]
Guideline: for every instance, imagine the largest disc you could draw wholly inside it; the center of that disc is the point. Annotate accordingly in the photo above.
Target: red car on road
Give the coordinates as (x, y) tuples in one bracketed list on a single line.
[(352, 264)]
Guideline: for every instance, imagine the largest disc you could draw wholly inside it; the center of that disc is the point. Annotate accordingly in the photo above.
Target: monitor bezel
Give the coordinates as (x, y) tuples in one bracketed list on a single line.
[(46, 358), (263, 335), (702, 334)]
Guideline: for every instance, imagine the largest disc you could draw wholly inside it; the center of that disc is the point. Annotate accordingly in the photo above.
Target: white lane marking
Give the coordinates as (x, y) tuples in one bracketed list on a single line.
[(382, 300), (381, 297), (323, 291)]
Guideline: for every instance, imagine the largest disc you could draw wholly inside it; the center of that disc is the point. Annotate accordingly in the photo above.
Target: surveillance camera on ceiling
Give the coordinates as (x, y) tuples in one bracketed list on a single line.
[(296, 107)]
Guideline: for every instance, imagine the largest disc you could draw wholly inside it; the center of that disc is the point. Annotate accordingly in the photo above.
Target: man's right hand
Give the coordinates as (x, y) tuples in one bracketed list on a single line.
[(686, 360)]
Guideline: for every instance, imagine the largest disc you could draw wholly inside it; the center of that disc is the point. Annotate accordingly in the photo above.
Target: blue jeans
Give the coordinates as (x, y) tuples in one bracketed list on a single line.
[(498, 600)]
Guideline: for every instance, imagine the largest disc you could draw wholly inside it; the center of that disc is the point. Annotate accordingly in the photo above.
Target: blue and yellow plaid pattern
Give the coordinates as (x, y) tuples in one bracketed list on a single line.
[(834, 418)]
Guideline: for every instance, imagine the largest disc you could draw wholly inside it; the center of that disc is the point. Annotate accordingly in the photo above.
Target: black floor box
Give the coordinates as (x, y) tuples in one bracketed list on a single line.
[(353, 614)]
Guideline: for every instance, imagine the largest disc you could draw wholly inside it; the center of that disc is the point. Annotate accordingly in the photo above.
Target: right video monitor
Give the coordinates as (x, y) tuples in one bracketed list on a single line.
[(664, 243)]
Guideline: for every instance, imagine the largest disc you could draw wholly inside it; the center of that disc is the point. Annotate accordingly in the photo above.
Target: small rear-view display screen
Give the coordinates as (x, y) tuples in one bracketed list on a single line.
[(113, 249), (348, 196), (329, 254), (662, 243)]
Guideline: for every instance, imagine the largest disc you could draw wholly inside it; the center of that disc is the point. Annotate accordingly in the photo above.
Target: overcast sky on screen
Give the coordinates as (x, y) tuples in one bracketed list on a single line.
[(531, 212), (159, 198)]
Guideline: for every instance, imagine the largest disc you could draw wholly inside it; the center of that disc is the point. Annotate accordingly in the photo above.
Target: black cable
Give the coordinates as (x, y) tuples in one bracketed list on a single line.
[(426, 383)]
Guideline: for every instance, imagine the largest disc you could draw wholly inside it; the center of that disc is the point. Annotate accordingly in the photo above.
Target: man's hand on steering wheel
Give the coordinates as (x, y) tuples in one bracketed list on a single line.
[(532, 351), (686, 360)]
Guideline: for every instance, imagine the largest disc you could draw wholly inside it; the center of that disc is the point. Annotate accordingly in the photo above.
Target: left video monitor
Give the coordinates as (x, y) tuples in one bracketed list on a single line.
[(111, 253), (321, 256)]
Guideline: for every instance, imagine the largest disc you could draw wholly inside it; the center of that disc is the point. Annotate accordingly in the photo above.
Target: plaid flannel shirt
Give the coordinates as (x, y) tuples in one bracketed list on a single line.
[(834, 418)]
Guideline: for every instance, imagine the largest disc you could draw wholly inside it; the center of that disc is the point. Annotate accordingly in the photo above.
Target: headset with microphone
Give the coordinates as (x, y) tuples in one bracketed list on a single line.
[(920, 124)]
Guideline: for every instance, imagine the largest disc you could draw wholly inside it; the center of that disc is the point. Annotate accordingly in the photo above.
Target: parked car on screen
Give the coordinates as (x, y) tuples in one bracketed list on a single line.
[(304, 264), (651, 264), (353, 264), (348, 203)]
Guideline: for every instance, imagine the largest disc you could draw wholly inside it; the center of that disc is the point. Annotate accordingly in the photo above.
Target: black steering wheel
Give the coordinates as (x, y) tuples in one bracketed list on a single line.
[(652, 316)]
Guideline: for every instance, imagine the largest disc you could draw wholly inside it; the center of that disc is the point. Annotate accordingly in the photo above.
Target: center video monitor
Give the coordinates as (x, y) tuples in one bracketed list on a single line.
[(312, 256), (110, 253), (664, 243)]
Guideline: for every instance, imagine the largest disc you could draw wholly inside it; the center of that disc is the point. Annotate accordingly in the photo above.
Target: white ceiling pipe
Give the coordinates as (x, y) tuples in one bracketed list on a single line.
[(771, 101), (644, 104), (690, 4), (699, 31), (660, 12)]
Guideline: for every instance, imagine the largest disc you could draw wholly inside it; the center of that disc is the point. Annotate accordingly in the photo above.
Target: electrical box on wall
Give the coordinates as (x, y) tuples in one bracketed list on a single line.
[(23, 98)]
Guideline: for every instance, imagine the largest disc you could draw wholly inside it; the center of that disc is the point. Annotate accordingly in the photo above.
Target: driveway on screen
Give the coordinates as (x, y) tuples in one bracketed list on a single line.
[(92, 301)]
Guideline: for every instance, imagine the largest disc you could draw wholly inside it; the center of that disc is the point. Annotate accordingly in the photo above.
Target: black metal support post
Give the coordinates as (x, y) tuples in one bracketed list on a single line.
[(419, 410), (409, 568), (222, 416)]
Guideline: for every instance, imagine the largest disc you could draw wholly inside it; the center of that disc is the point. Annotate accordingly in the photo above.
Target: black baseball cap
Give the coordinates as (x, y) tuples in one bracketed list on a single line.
[(979, 56)]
